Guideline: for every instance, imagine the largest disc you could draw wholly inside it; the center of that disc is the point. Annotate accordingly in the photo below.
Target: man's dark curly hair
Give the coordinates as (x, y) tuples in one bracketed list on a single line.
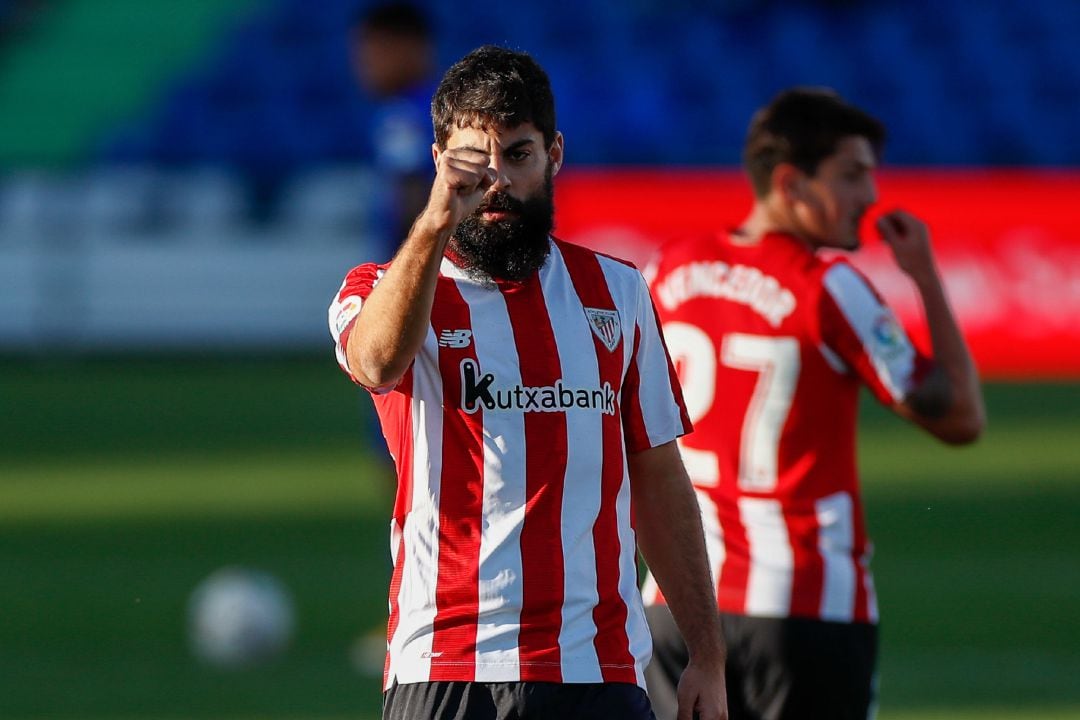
[(493, 87), (802, 126)]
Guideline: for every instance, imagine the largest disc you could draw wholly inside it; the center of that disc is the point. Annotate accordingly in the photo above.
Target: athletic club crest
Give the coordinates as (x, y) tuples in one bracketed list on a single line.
[(605, 325)]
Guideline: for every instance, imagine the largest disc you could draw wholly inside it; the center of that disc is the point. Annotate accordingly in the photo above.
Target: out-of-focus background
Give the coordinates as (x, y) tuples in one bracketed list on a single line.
[(183, 184)]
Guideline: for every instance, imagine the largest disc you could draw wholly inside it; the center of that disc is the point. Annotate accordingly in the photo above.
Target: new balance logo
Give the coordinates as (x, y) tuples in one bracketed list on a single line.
[(479, 391), (456, 339)]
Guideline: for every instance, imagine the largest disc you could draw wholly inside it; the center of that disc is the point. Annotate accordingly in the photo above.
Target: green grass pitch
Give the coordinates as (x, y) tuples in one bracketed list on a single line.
[(124, 482)]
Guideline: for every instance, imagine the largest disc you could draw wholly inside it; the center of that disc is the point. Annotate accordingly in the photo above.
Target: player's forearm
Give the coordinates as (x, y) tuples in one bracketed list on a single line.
[(672, 543), (394, 319), (963, 415), (668, 523)]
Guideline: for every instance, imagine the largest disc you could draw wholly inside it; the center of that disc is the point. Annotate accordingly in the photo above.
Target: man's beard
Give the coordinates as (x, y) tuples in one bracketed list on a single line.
[(507, 249)]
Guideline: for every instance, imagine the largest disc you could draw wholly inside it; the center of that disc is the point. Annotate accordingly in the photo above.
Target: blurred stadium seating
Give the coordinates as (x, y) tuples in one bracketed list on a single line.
[(995, 85), (272, 92), (130, 130)]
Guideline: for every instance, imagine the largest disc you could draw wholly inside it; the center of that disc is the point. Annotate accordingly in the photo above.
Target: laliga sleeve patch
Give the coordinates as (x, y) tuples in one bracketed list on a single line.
[(889, 339), (347, 309)]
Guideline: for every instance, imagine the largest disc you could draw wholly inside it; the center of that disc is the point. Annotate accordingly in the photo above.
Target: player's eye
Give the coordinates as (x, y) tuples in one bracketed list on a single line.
[(518, 155)]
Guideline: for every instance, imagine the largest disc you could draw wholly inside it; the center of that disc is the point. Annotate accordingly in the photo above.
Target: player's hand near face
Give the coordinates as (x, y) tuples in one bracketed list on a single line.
[(462, 177), (394, 318), (909, 239), (948, 403)]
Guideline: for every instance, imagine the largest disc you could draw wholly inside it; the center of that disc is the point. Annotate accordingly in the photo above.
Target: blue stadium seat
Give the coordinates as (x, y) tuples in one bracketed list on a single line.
[(652, 82)]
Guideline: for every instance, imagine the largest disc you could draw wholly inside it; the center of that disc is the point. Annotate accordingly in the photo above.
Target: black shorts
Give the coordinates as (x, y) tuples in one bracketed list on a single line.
[(450, 700), (777, 668)]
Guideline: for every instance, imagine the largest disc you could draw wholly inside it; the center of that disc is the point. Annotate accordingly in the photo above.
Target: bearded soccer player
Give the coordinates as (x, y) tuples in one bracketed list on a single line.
[(529, 403), (772, 343)]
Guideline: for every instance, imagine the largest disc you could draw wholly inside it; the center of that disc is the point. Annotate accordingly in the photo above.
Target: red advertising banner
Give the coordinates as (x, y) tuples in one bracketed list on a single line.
[(1007, 243)]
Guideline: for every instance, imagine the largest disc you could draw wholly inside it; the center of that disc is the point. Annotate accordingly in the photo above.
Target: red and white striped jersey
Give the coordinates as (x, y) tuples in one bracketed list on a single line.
[(771, 344), (514, 552)]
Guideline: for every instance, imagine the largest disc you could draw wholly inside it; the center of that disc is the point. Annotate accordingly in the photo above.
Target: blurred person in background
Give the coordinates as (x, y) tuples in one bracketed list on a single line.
[(393, 57), (772, 343), (529, 402)]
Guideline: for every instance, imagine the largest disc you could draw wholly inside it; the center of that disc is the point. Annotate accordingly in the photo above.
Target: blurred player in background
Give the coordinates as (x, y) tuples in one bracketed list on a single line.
[(528, 400), (772, 343), (393, 54), (393, 57)]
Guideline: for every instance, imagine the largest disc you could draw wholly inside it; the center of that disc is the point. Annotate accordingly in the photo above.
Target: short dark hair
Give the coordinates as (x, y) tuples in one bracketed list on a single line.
[(802, 126), (493, 86), (393, 18)]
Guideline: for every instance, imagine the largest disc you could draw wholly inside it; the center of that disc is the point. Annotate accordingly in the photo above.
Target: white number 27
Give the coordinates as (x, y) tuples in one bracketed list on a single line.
[(775, 359)]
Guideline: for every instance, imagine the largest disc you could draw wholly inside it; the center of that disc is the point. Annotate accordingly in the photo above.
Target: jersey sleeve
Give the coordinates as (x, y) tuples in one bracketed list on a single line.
[(653, 409), (345, 308), (860, 332)]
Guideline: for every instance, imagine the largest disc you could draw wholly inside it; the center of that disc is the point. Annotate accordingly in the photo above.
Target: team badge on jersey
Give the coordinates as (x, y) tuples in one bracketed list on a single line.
[(606, 326)]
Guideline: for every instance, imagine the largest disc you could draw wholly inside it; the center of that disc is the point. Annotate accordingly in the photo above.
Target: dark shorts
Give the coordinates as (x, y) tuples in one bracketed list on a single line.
[(777, 668), (448, 700)]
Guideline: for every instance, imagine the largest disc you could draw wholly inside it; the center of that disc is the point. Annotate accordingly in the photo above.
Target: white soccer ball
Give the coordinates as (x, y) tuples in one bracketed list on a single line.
[(238, 617)]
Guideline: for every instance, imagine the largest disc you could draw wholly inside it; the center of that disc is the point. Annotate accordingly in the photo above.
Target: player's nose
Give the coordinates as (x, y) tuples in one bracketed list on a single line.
[(502, 180)]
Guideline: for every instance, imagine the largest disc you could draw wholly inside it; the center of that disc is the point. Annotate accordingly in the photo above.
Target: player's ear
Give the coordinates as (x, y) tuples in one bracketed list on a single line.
[(435, 153), (555, 153), (787, 182)]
